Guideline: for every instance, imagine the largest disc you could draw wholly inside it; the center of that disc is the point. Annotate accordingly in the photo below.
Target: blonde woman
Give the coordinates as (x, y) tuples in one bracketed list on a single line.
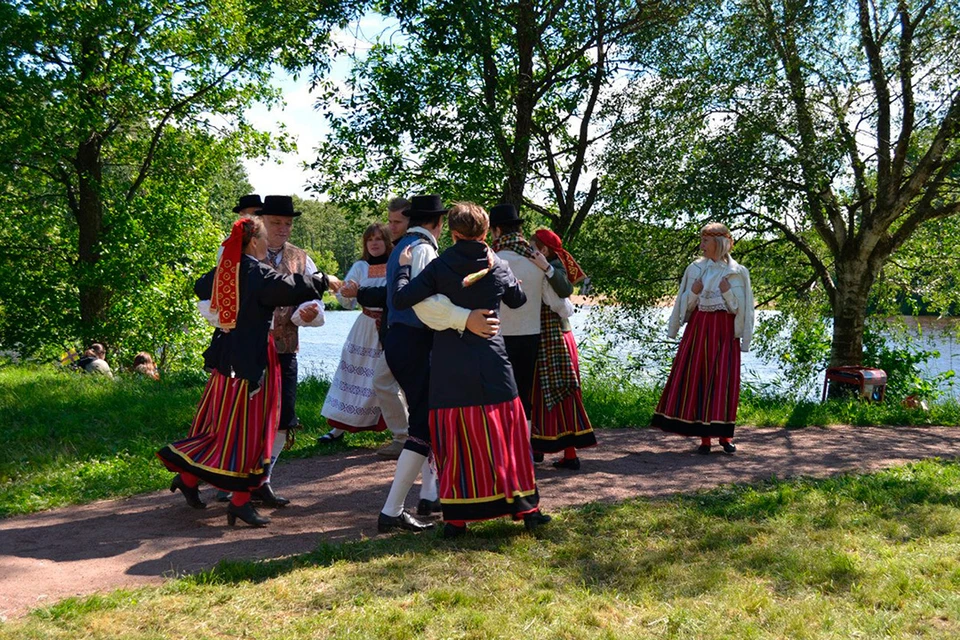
[(716, 303)]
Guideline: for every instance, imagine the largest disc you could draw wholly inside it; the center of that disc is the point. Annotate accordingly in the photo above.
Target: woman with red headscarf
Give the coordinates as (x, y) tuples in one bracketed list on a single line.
[(233, 431), (560, 421)]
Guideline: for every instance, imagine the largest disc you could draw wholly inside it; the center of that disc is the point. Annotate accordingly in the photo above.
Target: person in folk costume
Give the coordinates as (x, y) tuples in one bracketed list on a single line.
[(559, 420), (521, 326), (716, 302), (438, 313), (351, 403), (407, 345), (230, 441), (278, 214), (477, 424)]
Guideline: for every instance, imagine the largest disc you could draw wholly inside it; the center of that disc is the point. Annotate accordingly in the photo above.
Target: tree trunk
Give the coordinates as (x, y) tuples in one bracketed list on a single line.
[(524, 102), (89, 213), (854, 281)]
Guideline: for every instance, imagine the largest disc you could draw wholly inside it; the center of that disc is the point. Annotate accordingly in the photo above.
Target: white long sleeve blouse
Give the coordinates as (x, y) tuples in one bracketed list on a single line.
[(738, 300)]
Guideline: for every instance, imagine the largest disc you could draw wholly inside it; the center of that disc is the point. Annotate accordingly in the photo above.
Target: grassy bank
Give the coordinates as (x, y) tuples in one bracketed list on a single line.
[(71, 438), (858, 556)]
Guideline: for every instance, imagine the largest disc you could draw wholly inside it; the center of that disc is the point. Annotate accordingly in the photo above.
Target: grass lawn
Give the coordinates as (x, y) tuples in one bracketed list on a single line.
[(875, 556), (71, 438)]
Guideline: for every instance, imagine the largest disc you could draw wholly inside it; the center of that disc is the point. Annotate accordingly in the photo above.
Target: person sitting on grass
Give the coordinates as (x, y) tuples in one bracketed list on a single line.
[(144, 365), (93, 361)]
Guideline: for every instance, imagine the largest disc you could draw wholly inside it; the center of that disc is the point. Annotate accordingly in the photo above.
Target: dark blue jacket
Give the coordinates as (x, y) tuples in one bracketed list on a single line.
[(465, 369), (243, 350), (405, 316)]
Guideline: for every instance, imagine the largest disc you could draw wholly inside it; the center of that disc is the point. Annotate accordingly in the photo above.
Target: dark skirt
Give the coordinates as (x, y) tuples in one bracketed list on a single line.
[(566, 423), (703, 390), (484, 461), (231, 439)]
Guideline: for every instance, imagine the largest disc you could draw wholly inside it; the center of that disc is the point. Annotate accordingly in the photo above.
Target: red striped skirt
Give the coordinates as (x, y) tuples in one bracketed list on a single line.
[(484, 461), (703, 389), (565, 424), (231, 438)]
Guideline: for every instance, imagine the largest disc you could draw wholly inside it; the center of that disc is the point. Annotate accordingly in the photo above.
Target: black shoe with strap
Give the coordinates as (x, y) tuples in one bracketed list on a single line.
[(248, 513), (567, 463), (264, 493), (535, 520), (453, 531), (704, 449), (190, 494), (329, 437), (405, 521), (729, 447)]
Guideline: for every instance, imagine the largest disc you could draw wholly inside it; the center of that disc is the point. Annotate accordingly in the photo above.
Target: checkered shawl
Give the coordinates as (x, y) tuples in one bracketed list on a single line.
[(514, 242), (558, 379)]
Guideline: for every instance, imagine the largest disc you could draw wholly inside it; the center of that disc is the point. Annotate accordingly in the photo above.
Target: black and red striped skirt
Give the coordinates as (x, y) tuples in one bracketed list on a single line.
[(703, 390), (484, 461), (566, 423)]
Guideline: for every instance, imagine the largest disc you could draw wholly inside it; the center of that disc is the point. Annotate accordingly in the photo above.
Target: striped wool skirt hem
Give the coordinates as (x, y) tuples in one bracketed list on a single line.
[(484, 461), (703, 390), (231, 437), (566, 423)]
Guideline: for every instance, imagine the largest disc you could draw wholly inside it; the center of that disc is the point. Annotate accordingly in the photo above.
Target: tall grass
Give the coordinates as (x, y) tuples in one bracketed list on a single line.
[(874, 556)]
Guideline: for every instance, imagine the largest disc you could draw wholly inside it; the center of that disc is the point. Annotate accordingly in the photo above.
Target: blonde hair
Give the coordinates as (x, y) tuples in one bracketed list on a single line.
[(468, 219), (722, 238)]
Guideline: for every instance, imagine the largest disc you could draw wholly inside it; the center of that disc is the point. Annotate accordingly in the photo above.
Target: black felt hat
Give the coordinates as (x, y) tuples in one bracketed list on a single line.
[(502, 214), (278, 206), (425, 207), (252, 200)]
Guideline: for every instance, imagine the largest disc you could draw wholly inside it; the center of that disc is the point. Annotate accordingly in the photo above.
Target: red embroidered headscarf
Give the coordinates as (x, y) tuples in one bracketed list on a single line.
[(549, 239), (226, 281)]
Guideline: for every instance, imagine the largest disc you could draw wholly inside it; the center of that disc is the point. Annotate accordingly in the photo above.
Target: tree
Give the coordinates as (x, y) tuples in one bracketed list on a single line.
[(828, 127), (94, 94), (480, 100)]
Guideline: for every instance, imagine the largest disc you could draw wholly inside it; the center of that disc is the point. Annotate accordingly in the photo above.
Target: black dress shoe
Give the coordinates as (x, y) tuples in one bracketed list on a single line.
[(428, 507), (223, 496), (453, 531), (248, 513), (537, 456), (264, 493), (534, 520), (567, 463), (329, 437), (704, 449), (405, 521), (729, 447), (190, 494)]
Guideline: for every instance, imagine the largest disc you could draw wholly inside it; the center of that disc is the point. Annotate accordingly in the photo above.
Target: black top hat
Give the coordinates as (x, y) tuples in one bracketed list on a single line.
[(278, 206), (252, 200), (502, 214), (425, 207)]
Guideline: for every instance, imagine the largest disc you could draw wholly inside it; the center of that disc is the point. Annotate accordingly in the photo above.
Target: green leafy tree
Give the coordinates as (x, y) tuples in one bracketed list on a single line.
[(113, 116), (829, 130), (482, 100)]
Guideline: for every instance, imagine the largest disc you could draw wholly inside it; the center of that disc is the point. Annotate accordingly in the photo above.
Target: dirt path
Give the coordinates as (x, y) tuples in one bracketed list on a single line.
[(143, 540)]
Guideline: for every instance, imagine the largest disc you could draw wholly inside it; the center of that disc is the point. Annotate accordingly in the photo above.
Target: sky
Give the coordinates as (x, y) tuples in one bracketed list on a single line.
[(283, 174)]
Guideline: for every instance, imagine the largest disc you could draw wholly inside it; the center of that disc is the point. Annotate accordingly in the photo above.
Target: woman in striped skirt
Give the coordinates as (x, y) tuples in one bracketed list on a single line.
[(230, 440), (716, 302), (478, 429)]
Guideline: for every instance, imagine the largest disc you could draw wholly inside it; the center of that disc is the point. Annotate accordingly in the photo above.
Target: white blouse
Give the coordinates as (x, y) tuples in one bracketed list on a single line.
[(737, 300)]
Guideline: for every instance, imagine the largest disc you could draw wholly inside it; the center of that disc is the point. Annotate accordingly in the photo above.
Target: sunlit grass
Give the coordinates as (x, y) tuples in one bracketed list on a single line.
[(874, 556)]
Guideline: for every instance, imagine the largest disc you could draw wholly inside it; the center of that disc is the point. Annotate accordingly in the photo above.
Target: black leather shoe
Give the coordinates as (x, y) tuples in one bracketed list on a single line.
[(427, 507), (190, 494), (567, 463), (405, 521), (223, 496), (248, 513), (453, 531), (729, 447), (537, 456), (534, 520), (329, 437), (264, 493), (704, 449)]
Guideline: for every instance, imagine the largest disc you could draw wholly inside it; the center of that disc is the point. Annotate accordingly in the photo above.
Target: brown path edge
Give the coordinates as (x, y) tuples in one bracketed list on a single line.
[(146, 539)]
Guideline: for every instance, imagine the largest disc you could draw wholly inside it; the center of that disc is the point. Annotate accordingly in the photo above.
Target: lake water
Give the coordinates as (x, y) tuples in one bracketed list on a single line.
[(320, 348)]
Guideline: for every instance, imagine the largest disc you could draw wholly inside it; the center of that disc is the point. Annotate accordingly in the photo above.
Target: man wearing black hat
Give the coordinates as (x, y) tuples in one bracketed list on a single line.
[(406, 347), (278, 214), (249, 205), (521, 326)]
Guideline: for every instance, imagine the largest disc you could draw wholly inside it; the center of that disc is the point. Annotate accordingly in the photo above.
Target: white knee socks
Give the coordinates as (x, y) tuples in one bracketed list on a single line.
[(428, 482), (408, 468), (278, 441)]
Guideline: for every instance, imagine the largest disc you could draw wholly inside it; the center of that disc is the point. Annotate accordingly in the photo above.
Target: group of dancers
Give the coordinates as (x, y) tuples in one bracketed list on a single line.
[(466, 356)]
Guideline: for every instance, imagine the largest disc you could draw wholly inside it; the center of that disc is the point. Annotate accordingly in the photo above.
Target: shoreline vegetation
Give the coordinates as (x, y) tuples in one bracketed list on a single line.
[(72, 439)]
